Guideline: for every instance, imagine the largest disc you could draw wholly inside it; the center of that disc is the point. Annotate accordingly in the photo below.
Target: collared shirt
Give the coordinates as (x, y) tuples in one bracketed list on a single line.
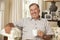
[(29, 25)]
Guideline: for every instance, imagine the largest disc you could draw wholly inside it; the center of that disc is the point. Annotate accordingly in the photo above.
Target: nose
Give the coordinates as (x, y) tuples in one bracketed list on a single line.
[(33, 11)]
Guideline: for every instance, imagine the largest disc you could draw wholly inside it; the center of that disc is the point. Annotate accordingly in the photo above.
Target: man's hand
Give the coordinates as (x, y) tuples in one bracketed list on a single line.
[(40, 33), (47, 37)]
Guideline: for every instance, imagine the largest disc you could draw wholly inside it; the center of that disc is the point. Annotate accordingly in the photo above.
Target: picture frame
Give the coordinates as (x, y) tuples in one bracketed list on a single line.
[(48, 16)]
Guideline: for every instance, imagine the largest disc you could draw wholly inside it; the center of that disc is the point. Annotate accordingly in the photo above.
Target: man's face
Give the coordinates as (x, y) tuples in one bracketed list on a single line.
[(34, 11)]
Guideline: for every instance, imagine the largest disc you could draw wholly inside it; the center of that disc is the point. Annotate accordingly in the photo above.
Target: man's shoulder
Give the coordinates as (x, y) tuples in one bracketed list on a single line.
[(23, 20), (26, 19)]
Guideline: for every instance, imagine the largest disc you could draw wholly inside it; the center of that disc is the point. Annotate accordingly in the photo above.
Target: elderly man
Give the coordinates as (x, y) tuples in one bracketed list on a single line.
[(35, 28)]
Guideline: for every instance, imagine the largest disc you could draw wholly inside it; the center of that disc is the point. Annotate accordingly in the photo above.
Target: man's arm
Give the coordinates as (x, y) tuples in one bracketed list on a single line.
[(47, 37), (43, 36), (19, 24)]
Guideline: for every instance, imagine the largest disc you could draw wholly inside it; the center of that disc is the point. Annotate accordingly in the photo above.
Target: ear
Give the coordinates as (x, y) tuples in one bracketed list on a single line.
[(39, 10)]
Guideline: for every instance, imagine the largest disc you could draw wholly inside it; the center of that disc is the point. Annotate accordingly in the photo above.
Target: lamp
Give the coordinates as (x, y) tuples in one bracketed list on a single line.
[(53, 7)]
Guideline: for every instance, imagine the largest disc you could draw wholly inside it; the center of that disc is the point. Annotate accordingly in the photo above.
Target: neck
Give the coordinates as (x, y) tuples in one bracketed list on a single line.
[(38, 18)]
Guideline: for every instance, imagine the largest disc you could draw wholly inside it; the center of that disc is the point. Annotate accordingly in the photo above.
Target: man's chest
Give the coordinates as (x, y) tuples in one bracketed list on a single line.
[(31, 25)]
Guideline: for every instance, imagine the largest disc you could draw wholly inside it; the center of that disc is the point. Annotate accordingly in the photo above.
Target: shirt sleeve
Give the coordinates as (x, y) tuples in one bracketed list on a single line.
[(48, 28), (19, 23)]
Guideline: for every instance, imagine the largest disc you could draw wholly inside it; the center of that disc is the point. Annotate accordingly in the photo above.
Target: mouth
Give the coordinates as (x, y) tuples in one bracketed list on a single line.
[(33, 13)]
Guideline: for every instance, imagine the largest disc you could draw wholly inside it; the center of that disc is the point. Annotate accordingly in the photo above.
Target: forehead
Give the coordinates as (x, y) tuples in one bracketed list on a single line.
[(33, 6), (7, 26)]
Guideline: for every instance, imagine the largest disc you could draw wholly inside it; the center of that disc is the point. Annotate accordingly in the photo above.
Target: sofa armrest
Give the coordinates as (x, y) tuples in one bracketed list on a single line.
[(18, 38)]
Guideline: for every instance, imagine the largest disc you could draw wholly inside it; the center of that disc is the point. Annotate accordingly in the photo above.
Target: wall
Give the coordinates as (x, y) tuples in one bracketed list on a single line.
[(58, 5)]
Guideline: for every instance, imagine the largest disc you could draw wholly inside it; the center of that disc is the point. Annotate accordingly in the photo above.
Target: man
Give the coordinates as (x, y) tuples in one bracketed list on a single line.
[(35, 28)]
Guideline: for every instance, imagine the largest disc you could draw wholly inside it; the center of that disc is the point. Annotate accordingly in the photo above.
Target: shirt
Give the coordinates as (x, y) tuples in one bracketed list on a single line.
[(29, 25), (14, 33)]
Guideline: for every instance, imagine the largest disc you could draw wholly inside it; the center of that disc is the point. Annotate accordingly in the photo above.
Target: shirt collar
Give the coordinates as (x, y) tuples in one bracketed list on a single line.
[(37, 19)]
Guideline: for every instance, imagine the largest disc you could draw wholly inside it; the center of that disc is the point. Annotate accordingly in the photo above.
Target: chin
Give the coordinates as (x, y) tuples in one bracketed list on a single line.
[(34, 17)]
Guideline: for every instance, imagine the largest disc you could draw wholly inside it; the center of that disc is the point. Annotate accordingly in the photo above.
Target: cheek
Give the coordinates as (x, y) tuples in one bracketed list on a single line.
[(8, 28), (31, 12), (37, 12)]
